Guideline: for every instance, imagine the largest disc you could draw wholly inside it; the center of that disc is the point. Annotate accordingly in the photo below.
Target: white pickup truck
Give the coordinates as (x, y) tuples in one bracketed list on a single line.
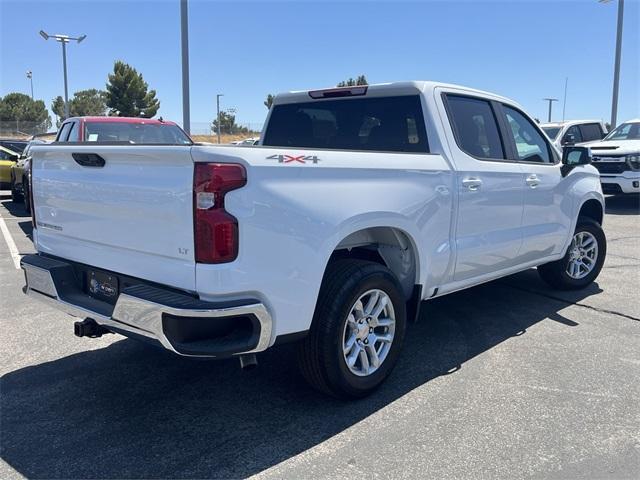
[(617, 158), (359, 203)]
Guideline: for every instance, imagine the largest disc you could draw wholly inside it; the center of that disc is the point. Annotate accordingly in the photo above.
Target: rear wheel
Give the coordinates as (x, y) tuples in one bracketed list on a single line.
[(583, 260), (16, 196), (26, 196), (357, 330)]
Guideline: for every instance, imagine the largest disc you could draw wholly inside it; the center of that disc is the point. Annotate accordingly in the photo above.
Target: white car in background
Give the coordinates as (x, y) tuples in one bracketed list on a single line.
[(574, 131), (617, 158), (246, 142)]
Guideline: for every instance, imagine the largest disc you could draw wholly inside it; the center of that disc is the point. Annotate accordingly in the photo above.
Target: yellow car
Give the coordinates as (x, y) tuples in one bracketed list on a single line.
[(8, 158)]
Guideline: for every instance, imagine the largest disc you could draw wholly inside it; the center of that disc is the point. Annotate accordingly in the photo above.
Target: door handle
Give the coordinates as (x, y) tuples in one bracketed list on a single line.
[(88, 159), (472, 183), (533, 181)]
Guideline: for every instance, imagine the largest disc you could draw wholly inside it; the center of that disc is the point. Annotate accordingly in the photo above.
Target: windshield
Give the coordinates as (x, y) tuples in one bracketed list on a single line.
[(15, 146), (145, 133), (552, 132), (626, 131)]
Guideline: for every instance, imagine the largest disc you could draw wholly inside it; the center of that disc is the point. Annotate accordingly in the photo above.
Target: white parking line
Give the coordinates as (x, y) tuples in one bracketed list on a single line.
[(13, 250)]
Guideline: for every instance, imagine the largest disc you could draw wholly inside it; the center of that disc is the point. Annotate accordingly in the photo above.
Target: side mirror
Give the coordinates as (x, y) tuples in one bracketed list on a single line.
[(569, 139), (574, 156)]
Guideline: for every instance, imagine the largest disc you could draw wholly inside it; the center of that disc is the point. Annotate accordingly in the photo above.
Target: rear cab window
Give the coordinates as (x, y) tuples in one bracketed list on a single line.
[(386, 124), (135, 133)]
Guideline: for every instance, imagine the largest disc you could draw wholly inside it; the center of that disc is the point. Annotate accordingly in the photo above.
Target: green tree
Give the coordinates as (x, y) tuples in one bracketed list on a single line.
[(128, 95), (84, 102), (269, 101), (227, 124), (360, 80), (29, 115), (89, 102), (57, 107)]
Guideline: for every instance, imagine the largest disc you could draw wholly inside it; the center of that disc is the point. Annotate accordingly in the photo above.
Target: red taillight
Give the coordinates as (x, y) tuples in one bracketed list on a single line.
[(215, 229)]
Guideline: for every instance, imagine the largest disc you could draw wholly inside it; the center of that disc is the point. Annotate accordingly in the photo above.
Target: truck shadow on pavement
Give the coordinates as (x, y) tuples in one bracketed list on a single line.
[(623, 205), (131, 411), (15, 209)]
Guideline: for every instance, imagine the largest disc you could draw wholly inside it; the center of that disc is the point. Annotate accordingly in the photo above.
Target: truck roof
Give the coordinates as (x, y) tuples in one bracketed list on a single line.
[(148, 121), (382, 90), (568, 122)]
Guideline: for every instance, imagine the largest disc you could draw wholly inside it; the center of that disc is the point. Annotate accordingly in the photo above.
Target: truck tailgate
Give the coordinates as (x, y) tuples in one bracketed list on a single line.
[(134, 215)]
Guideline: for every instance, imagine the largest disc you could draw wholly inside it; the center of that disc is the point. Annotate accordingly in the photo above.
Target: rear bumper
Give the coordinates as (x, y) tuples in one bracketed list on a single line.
[(628, 182), (178, 322)]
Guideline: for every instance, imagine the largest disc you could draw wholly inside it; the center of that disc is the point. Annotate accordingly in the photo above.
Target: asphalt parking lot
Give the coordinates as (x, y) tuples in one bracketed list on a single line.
[(506, 380)]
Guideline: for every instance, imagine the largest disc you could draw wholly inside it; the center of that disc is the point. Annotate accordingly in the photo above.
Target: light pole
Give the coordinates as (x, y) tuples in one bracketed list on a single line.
[(550, 100), (63, 40), (184, 31), (30, 77), (218, 110), (616, 66)]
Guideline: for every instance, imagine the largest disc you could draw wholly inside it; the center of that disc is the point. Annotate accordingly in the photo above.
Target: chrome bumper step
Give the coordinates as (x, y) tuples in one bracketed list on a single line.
[(181, 323)]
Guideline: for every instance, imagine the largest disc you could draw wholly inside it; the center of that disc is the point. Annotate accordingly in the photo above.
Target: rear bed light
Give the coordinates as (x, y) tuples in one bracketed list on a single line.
[(215, 229), (338, 92)]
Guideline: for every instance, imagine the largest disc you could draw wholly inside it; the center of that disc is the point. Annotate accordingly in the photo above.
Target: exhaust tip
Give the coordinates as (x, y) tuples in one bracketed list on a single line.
[(248, 361)]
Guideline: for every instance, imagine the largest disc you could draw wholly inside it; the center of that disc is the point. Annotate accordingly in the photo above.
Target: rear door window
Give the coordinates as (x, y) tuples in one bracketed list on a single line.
[(74, 133), (63, 134), (475, 127), (591, 131), (390, 124)]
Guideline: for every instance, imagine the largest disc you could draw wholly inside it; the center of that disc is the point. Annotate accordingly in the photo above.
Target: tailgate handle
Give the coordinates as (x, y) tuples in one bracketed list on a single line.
[(88, 159)]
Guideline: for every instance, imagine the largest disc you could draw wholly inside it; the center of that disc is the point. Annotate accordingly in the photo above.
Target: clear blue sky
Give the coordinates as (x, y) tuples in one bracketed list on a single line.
[(521, 49)]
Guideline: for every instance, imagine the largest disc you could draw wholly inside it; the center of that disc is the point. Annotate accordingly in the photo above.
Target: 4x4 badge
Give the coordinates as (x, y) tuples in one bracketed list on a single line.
[(294, 159)]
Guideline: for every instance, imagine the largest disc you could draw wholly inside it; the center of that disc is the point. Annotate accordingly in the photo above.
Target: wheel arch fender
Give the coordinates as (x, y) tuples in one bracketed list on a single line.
[(592, 205), (392, 235)]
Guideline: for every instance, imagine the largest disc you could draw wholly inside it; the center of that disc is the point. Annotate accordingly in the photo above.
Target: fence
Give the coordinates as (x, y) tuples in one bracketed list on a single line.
[(20, 129), (207, 128)]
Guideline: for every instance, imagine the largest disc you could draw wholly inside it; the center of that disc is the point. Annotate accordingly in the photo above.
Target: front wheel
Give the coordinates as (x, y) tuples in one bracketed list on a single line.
[(357, 330), (583, 260)]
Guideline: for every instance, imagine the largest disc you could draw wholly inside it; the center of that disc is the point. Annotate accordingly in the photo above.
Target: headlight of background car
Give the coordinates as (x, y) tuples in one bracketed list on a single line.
[(633, 161)]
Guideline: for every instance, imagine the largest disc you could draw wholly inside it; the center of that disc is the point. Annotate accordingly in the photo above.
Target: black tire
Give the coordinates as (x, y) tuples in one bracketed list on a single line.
[(26, 197), (320, 354), (555, 273), (16, 196)]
